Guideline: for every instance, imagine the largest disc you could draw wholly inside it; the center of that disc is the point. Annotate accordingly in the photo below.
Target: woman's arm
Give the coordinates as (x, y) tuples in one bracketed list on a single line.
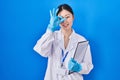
[(44, 44)]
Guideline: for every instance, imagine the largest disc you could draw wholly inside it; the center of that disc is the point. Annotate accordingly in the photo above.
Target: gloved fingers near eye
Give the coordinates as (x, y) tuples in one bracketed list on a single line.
[(54, 20), (61, 19)]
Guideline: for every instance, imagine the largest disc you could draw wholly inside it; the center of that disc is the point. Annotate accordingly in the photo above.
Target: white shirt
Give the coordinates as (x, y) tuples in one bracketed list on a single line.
[(51, 44)]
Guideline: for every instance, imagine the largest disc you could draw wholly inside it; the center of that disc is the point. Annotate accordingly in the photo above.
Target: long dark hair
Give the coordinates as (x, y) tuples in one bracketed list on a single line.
[(65, 7)]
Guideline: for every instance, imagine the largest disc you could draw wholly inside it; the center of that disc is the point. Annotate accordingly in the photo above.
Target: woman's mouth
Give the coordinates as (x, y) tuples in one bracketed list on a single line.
[(65, 25)]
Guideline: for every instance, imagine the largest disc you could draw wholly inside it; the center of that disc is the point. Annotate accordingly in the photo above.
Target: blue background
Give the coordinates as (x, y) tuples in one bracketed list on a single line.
[(22, 23)]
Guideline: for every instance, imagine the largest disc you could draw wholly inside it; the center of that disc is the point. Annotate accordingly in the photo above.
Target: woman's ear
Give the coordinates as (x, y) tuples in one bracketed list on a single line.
[(73, 17)]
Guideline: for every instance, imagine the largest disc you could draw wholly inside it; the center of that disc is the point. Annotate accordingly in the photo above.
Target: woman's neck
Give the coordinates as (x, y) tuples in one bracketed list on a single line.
[(66, 33)]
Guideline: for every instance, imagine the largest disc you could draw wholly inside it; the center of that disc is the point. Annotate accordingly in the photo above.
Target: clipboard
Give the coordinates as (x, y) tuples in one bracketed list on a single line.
[(80, 52)]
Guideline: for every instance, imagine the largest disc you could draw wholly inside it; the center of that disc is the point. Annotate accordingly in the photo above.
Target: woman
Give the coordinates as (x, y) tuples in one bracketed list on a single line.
[(59, 47)]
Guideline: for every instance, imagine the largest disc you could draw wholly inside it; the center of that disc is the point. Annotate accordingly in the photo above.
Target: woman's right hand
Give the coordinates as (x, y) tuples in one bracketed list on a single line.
[(54, 20)]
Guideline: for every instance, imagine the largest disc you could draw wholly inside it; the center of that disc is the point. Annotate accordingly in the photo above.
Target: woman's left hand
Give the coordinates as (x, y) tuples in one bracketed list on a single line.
[(74, 66)]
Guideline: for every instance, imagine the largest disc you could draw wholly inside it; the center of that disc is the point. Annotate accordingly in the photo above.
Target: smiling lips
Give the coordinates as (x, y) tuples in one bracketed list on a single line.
[(65, 25)]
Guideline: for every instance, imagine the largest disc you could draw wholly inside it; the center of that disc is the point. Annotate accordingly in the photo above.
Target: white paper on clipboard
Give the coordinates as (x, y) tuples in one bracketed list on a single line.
[(80, 52)]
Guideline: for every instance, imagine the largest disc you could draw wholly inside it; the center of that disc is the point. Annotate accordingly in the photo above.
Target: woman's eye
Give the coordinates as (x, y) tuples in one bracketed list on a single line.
[(67, 16)]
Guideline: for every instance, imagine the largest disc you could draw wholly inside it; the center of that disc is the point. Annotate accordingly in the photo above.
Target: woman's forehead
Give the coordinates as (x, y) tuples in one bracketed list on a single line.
[(64, 13)]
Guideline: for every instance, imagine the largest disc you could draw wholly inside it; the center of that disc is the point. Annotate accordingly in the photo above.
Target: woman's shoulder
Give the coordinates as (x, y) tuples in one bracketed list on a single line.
[(80, 37)]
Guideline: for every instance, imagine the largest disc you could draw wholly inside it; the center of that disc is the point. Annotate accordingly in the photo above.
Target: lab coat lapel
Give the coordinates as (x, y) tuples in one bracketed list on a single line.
[(60, 39), (72, 42)]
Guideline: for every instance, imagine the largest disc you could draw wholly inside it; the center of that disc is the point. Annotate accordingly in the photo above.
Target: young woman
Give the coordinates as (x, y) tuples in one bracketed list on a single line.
[(59, 47)]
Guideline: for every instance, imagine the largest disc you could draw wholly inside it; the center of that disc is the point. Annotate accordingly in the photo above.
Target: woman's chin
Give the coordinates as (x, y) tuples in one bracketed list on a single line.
[(66, 28)]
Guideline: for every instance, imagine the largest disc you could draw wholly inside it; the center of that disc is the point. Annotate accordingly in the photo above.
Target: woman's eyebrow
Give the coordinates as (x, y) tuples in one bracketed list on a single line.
[(67, 15)]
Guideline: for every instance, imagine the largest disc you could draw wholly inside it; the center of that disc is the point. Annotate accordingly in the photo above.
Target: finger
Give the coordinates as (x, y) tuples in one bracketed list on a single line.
[(50, 13), (60, 17), (62, 20), (53, 11), (72, 59), (56, 12)]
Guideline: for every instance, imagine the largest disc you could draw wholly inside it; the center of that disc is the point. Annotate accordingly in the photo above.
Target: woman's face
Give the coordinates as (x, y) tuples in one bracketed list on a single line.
[(67, 24)]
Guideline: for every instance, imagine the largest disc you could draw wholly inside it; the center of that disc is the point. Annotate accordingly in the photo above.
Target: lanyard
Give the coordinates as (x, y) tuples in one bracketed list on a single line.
[(63, 57)]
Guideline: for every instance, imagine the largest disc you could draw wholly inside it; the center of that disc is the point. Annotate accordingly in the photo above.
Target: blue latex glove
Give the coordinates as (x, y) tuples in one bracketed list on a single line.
[(55, 20), (74, 65)]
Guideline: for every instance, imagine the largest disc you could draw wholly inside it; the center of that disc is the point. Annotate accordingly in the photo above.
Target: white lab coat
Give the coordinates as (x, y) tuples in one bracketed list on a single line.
[(50, 45)]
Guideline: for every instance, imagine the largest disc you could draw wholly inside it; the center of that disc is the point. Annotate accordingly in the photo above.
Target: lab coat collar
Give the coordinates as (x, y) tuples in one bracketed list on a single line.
[(60, 35), (72, 40)]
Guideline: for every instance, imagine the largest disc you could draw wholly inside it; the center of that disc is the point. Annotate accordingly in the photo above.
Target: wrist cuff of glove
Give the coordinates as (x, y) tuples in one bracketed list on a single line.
[(50, 28)]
